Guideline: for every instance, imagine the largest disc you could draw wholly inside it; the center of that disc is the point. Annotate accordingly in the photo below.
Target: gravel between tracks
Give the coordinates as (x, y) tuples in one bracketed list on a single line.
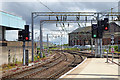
[(58, 67), (71, 60)]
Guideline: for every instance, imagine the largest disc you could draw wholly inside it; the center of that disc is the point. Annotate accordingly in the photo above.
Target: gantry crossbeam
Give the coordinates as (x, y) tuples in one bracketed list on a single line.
[(63, 17)]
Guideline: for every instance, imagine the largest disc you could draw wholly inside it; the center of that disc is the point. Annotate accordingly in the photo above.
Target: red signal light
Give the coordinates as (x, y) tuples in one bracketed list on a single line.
[(106, 28), (26, 38)]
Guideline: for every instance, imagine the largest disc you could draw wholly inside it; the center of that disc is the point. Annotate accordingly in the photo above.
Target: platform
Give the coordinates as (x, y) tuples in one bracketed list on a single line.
[(94, 68)]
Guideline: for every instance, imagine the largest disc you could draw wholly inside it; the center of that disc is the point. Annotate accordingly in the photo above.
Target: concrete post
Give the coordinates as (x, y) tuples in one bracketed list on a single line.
[(32, 28), (41, 43), (101, 54), (91, 46), (95, 47), (23, 53), (26, 57), (61, 41), (47, 43), (91, 42)]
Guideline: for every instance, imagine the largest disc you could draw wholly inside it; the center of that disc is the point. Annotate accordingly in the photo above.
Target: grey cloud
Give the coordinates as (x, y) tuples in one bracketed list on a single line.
[(24, 9)]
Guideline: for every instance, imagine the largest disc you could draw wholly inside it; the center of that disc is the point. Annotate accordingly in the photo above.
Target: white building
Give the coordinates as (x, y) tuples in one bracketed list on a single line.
[(9, 22)]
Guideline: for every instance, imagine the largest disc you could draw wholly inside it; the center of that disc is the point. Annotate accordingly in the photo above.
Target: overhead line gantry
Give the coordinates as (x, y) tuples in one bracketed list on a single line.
[(65, 17)]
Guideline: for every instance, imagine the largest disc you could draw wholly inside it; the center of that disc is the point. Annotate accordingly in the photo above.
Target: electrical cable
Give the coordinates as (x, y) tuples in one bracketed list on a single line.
[(44, 5)]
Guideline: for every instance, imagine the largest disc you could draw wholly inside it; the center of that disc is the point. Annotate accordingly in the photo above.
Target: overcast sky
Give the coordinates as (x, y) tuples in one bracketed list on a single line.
[(24, 10)]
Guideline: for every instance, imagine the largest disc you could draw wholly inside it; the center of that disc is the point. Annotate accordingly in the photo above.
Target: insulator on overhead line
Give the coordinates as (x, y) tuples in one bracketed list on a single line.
[(78, 24), (61, 18), (63, 25), (55, 36), (112, 18), (65, 18), (68, 24), (57, 18), (86, 18), (49, 17), (77, 18), (93, 19), (56, 25)]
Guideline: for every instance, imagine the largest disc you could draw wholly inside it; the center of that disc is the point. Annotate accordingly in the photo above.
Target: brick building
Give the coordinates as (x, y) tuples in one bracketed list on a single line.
[(82, 35)]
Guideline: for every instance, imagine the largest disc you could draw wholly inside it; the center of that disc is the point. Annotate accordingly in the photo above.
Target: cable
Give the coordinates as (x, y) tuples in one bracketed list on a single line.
[(44, 5)]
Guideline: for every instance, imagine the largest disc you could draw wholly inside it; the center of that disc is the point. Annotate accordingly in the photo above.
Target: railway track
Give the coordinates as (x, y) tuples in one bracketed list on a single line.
[(77, 60), (60, 69), (52, 69), (30, 69)]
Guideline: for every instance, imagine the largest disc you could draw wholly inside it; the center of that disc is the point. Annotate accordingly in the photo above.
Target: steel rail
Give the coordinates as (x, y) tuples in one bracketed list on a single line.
[(36, 67), (54, 75)]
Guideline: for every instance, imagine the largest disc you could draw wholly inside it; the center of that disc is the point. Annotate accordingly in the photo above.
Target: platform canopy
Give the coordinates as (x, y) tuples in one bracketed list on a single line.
[(11, 22)]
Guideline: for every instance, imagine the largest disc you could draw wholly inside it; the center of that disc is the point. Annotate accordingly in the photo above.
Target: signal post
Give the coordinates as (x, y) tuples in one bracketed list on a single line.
[(97, 34), (24, 36)]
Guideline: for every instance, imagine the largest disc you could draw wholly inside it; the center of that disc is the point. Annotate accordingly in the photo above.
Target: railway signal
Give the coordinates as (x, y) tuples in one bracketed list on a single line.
[(100, 28), (24, 34), (94, 31), (97, 29), (106, 24)]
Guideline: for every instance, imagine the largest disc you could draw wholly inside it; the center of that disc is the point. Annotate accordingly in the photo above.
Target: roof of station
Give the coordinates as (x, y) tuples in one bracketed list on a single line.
[(11, 22), (88, 28), (82, 29)]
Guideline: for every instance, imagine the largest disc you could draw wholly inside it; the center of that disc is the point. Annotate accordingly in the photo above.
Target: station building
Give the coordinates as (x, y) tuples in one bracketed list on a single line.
[(82, 35), (9, 21)]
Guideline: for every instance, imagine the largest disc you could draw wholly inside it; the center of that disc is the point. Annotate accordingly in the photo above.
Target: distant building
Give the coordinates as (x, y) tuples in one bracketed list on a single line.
[(82, 36), (9, 22)]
